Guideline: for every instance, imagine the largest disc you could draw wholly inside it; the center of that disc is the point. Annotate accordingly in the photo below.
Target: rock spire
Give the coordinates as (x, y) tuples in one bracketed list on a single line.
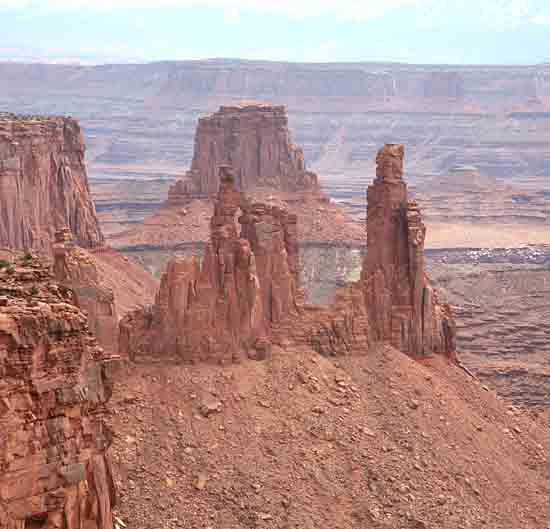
[(402, 305), (224, 309)]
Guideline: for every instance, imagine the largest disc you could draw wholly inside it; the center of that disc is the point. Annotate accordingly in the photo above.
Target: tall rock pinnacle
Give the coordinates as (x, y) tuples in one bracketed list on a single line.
[(226, 307), (245, 295), (402, 305)]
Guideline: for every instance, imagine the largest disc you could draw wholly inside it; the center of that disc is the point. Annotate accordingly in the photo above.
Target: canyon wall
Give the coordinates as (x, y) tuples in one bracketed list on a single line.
[(55, 383), (43, 183)]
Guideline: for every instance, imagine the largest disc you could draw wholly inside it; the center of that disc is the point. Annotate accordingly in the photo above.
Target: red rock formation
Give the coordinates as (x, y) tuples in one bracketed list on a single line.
[(403, 307), (76, 269), (43, 183), (246, 297), (247, 282), (54, 383), (393, 302), (255, 140)]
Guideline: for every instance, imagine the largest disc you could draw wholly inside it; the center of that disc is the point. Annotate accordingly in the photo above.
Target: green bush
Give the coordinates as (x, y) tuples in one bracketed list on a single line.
[(10, 270), (34, 291), (4, 264)]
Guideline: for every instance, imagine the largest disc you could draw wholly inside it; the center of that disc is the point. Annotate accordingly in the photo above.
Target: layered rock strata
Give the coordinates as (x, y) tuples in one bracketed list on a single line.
[(403, 307), (43, 183), (254, 139), (76, 269), (54, 383), (224, 309)]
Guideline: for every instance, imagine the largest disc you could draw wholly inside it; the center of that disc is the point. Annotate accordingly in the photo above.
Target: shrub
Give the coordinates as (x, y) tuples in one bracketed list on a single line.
[(4, 264)]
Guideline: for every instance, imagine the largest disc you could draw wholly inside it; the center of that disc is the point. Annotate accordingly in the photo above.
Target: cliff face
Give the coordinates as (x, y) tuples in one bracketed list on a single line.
[(255, 141), (55, 382), (247, 282), (403, 307), (43, 183)]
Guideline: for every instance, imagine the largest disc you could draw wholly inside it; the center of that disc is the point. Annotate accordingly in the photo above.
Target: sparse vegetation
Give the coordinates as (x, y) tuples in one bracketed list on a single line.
[(34, 291), (10, 270), (4, 264), (27, 259)]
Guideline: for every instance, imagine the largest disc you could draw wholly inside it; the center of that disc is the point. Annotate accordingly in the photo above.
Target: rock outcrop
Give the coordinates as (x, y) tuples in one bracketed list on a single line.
[(54, 383), (224, 309), (76, 269), (245, 296), (403, 307), (43, 183), (254, 139), (393, 302)]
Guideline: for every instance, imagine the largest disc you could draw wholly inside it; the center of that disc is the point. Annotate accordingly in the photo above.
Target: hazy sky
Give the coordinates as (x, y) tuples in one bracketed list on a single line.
[(418, 31)]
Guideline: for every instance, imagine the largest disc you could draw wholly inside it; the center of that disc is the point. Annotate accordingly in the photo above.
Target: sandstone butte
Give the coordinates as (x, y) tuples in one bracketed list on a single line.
[(46, 206), (245, 296), (55, 382), (43, 183), (255, 141)]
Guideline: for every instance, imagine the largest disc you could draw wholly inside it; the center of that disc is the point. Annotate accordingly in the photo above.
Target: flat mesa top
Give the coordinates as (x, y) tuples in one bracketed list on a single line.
[(30, 118), (251, 107)]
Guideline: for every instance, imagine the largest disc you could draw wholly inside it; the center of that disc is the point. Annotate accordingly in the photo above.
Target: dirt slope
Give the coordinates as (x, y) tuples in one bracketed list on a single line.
[(301, 441), (132, 284), (172, 225)]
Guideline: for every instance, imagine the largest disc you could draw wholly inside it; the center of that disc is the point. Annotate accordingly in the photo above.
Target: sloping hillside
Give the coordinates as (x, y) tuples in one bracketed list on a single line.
[(302, 441)]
